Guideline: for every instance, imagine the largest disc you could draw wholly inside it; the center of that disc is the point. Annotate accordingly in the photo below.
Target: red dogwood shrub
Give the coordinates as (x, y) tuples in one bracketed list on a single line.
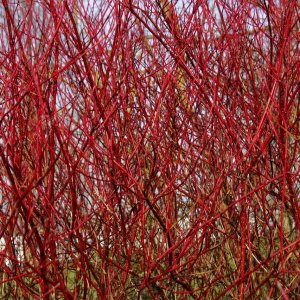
[(149, 149)]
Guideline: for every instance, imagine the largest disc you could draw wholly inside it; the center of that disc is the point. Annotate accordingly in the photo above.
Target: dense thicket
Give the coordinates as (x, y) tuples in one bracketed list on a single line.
[(149, 149)]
